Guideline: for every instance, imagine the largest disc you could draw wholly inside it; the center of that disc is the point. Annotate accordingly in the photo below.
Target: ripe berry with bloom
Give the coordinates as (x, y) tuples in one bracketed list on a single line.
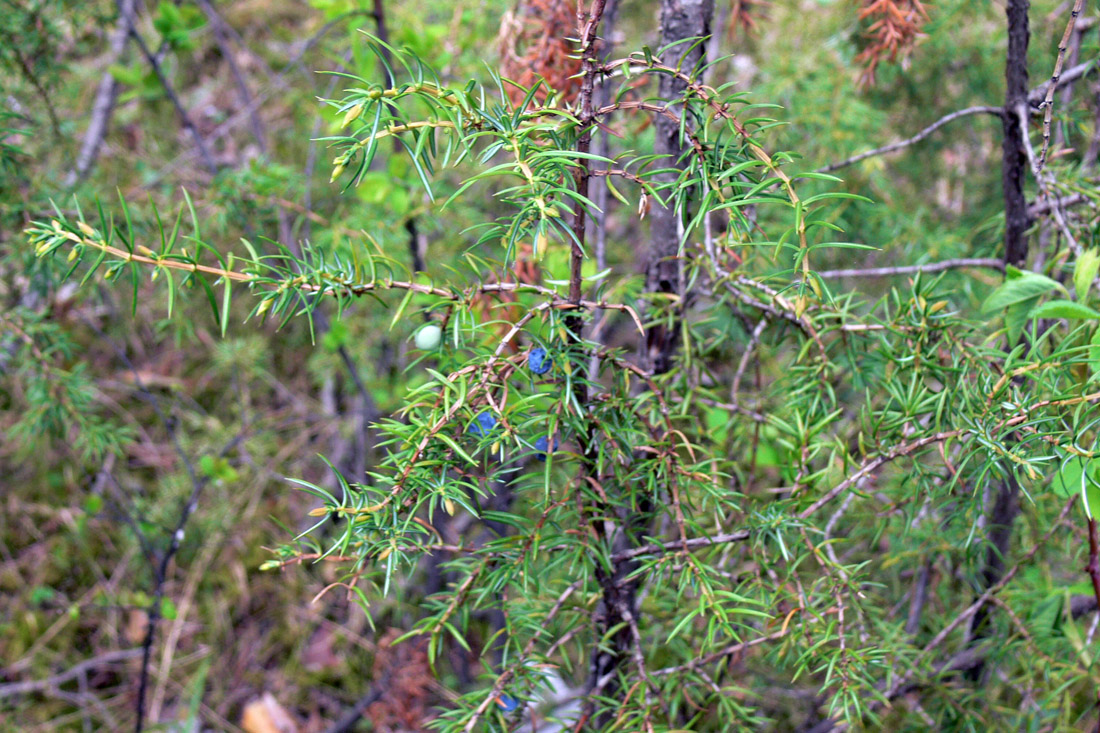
[(538, 361)]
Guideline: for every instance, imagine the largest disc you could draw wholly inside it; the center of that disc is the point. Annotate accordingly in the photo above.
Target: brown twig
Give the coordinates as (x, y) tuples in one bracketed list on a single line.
[(105, 97), (1093, 569), (1033, 97), (1070, 75), (185, 119), (29, 687), (872, 464), (901, 144), (1047, 203), (1048, 102), (993, 263), (220, 36)]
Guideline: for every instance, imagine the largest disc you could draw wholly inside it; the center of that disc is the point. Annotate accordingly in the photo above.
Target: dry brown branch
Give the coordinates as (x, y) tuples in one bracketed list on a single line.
[(1048, 102)]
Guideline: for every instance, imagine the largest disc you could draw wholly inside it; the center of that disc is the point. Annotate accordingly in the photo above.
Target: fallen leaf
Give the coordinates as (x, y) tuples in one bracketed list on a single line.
[(266, 715)]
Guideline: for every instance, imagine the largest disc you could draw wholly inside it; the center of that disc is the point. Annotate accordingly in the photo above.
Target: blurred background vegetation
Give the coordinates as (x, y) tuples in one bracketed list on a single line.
[(107, 408)]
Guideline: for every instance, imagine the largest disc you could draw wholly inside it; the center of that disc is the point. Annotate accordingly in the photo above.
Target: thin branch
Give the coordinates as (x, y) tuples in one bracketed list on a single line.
[(351, 717), (920, 597), (153, 613), (34, 81), (728, 651), (1044, 204), (219, 24), (185, 119), (968, 658), (261, 96), (219, 27), (903, 680), (507, 674), (1046, 188), (160, 571), (994, 263), (754, 341), (334, 284), (1034, 97), (958, 114), (677, 545), (872, 464), (1093, 569), (32, 686), (105, 97)]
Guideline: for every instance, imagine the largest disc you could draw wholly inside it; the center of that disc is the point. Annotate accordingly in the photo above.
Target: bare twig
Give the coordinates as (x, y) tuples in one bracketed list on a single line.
[(676, 545), (1047, 105), (36, 82), (220, 27), (1045, 179), (1034, 97), (351, 717), (1058, 79), (78, 670), (160, 570), (277, 84), (185, 119), (920, 597), (901, 144), (1046, 203), (153, 613), (1093, 569), (993, 263), (105, 97), (754, 340)]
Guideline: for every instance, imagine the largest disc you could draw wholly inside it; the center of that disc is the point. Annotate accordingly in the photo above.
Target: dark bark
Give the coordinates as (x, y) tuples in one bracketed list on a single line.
[(1014, 166), (680, 20), (1093, 570), (1003, 513), (1014, 154), (618, 604), (588, 23), (603, 141)]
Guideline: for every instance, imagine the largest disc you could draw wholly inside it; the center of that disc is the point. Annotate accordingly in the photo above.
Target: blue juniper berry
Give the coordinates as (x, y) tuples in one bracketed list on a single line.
[(538, 361), (541, 443), (507, 702), (483, 424)]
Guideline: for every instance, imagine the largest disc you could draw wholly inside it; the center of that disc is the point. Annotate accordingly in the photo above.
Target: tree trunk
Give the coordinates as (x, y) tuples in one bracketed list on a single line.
[(680, 20), (1014, 154), (1014, 167)]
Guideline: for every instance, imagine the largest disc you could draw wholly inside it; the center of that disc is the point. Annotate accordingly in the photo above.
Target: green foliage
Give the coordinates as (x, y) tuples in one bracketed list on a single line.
[(792, 520)]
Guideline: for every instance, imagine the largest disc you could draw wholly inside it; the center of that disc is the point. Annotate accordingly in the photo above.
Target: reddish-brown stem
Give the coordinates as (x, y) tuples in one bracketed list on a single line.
[(1093, 569)]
